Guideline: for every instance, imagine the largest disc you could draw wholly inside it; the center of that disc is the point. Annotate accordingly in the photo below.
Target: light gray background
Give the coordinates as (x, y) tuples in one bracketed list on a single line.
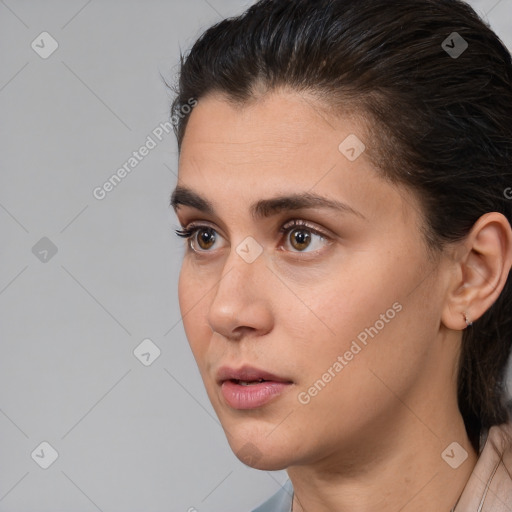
[(130, 437)]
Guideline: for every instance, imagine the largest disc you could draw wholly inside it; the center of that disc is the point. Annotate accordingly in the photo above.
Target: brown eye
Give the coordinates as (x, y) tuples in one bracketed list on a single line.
[(300, 235), (205, 238), (300, 239)]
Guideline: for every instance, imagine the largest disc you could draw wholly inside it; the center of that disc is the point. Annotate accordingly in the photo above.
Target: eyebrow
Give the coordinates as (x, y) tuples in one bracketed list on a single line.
[(264, 207)]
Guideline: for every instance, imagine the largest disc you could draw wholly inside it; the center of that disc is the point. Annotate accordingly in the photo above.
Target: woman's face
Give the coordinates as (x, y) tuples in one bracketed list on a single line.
[(340, 317)]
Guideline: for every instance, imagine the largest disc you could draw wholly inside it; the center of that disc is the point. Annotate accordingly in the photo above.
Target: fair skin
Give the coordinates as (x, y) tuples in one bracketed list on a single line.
[(372, 437)]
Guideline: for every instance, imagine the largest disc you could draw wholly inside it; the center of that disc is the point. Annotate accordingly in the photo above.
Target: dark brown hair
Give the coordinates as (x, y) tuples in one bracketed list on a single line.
[(439, 113)]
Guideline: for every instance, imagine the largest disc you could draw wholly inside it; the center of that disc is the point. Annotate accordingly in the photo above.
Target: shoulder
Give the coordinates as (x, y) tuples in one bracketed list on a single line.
[(489, 487), (281, 501)]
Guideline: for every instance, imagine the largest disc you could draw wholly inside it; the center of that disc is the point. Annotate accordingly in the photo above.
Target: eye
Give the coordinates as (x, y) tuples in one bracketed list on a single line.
[(205, 240), (299, 234), (302, 236)]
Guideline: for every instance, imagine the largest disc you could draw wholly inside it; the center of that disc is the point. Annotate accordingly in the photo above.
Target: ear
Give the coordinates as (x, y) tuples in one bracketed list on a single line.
[(482, 266)]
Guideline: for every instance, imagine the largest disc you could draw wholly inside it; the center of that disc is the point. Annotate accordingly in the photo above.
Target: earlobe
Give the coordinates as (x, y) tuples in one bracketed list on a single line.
[(482, 269)]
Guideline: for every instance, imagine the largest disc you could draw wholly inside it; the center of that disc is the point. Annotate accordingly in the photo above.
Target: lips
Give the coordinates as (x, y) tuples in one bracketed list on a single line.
[(250, 388), (247, 374)]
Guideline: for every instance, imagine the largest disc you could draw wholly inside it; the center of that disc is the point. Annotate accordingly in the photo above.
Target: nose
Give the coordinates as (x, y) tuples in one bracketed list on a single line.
[(241, 304)]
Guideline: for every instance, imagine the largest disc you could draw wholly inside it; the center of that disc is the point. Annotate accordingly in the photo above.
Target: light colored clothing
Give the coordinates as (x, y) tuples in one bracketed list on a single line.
[(280, 502), (489, 488)]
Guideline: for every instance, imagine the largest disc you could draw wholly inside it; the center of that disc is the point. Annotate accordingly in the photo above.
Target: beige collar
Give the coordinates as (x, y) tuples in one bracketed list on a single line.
[(489, 488)]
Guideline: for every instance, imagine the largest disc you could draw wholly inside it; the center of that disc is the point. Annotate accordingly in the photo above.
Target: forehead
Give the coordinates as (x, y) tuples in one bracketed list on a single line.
[(280, 132)]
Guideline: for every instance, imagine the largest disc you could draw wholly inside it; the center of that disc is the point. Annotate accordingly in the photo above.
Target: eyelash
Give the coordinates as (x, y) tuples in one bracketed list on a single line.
[(190, 231)]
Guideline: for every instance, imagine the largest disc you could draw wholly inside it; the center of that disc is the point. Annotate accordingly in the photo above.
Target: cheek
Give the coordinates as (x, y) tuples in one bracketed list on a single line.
[(366, 318), (340, 308), (345, 384)]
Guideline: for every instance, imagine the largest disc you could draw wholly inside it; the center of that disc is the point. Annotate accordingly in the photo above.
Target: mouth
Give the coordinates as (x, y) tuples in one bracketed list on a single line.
[(250, 388), (248, 383)]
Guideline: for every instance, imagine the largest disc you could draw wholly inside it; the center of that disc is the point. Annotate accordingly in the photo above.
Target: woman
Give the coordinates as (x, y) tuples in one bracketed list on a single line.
[(344, 189)]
